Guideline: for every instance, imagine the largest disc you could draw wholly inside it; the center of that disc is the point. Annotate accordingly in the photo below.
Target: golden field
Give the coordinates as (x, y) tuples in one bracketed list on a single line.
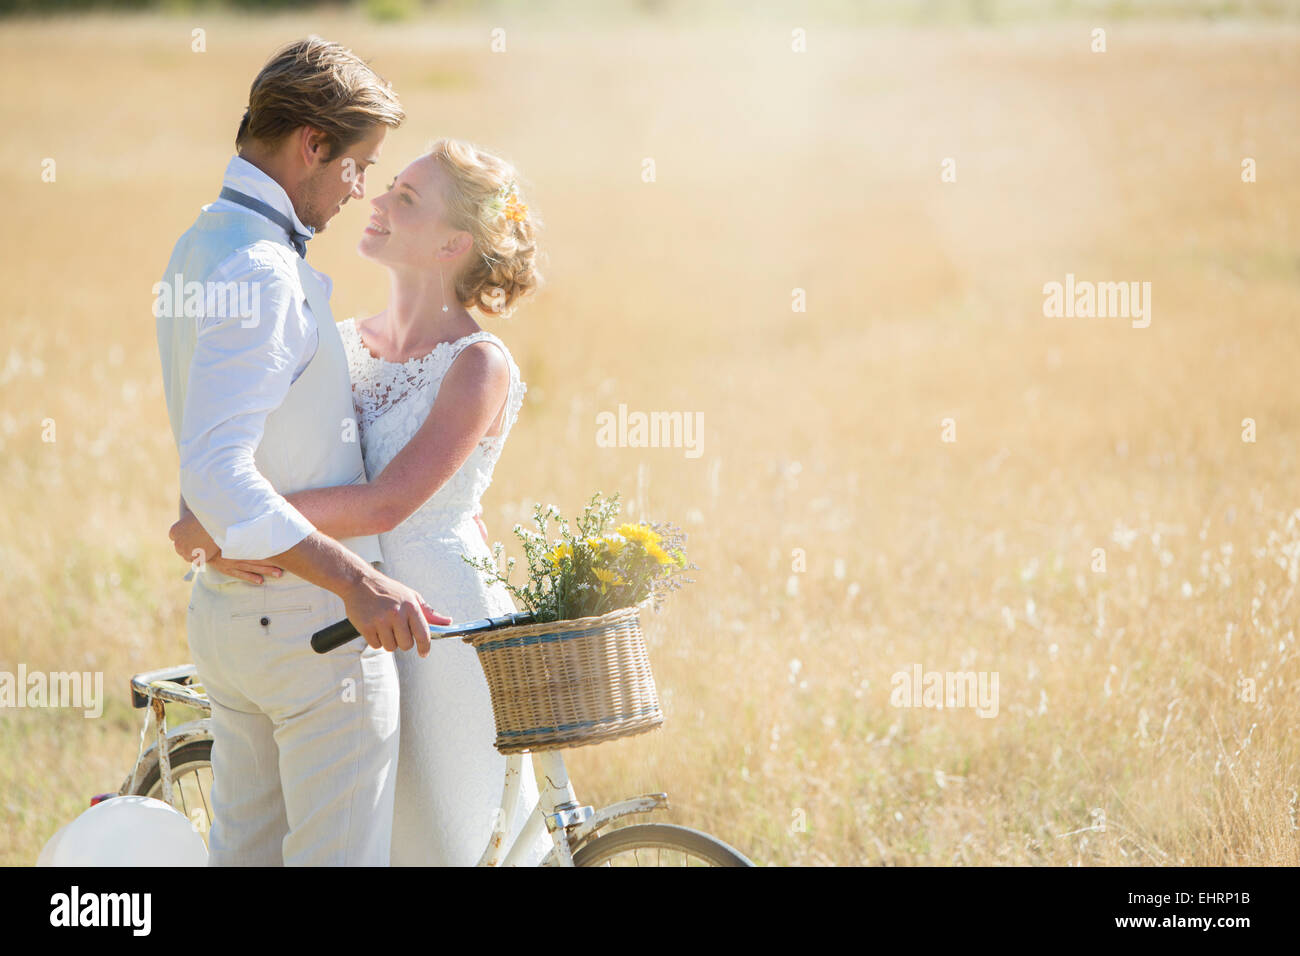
[(840, 539)]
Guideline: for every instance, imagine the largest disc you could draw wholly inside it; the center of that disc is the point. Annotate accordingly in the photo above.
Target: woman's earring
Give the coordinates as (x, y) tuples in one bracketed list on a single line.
[(443, 282)]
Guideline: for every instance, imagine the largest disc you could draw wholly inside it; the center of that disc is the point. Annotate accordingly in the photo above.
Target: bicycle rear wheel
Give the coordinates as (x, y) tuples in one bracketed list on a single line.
[(191, 783), (658, 844)]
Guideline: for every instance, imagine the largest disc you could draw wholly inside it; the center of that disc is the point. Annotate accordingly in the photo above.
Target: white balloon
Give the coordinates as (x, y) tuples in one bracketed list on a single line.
[(127, 831), (47, 852)]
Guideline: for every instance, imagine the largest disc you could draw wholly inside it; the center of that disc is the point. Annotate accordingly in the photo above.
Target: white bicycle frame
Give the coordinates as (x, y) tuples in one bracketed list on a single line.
[(557, 811)]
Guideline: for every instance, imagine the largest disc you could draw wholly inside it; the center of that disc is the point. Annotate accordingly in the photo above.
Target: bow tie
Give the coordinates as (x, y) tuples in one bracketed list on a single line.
[(297, 239)]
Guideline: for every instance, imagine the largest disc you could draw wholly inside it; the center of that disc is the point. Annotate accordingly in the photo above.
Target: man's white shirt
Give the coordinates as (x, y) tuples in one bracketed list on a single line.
[(241, 372)]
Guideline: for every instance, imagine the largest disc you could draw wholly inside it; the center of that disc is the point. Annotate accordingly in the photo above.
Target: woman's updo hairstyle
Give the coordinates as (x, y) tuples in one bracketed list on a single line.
[(484, 199)]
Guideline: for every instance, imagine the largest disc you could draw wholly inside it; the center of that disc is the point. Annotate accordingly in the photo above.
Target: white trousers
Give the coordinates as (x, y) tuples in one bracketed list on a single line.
[(304, 753)]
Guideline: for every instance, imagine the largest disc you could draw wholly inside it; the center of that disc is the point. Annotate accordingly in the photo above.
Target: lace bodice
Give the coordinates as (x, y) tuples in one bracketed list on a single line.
[(393, 400)]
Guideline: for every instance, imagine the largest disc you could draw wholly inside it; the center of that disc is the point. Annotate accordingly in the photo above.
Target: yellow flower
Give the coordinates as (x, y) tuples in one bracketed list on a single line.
[(594, 543), (609, 577), (638, 532), (516, 210), (560, 552), (615, 545), (606, 578), (659, 554)]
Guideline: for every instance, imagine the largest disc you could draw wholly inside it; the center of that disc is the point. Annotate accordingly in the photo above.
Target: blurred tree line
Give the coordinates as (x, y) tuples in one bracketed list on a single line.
[(376, 8), (73, 6), (845, 11)]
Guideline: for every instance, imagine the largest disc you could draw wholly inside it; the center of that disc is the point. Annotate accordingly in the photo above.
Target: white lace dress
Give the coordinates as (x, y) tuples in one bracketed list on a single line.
[(449, 775)]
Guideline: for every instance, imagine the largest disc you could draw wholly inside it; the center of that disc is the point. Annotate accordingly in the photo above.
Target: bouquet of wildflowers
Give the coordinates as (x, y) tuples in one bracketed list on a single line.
[(588, 570)]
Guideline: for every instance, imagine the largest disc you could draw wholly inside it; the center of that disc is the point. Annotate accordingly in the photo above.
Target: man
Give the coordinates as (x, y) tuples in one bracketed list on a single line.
[(304, 745)]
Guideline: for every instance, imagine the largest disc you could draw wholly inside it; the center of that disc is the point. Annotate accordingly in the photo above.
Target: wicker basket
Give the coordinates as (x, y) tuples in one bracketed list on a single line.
[(569, 683)]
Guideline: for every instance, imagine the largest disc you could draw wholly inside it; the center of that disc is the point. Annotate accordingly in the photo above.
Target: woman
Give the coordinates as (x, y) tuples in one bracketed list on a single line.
[(436, 397)]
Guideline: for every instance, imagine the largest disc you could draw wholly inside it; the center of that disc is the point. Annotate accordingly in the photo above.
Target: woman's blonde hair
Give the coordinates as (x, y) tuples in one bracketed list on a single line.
[(484, 199)]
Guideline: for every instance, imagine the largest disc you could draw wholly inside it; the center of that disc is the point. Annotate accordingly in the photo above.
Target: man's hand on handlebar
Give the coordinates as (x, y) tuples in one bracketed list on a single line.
[(390, 615)]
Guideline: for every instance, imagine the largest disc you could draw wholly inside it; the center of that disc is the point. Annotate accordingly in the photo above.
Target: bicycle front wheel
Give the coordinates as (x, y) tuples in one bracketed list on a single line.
[(658, 844)]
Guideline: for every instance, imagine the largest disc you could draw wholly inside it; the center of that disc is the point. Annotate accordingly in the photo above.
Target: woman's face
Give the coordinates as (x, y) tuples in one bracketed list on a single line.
[(407, 225)]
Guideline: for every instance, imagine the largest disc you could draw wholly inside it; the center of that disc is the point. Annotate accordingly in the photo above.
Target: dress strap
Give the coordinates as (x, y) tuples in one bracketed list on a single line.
[(465, 341), (484, 336)]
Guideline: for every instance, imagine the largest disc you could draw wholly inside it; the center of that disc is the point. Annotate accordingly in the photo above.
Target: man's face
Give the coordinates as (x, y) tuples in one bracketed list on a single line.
[(331, 184)]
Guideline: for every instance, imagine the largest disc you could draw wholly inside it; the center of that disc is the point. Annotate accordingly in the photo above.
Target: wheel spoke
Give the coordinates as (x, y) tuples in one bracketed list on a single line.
[(206, 809)]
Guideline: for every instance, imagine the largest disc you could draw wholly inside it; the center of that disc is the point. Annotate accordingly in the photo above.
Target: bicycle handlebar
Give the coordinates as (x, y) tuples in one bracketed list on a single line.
[(339, 633)]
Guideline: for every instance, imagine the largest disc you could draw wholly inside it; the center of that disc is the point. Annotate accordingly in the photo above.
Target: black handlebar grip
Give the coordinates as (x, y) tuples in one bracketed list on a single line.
[(336, 635)]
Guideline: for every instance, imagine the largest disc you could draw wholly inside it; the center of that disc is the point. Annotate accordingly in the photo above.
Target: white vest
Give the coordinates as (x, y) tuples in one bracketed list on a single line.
[(306, 443)]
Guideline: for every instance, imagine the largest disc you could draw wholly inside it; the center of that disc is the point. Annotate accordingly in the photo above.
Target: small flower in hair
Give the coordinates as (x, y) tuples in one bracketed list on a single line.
[(507, 200), (515, 210)]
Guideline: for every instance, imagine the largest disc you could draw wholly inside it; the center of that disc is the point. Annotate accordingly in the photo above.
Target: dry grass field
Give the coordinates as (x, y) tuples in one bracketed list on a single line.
[(1147, 713)]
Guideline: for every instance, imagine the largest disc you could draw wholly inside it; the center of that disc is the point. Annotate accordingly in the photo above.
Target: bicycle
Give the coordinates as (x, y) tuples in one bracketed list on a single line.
[(177, 767)]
